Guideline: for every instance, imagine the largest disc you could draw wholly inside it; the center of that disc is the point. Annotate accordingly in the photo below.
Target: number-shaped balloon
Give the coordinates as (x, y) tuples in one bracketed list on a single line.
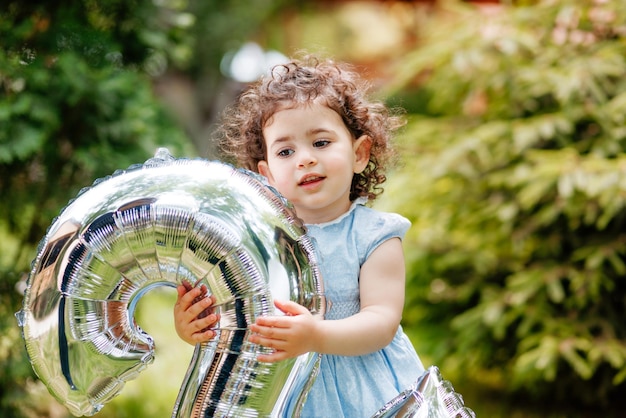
[(430, 396), (167, 222)]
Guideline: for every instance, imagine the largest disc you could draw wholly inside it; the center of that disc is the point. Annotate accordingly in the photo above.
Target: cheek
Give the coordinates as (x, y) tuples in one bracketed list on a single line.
[(279, 176), (282, 184)]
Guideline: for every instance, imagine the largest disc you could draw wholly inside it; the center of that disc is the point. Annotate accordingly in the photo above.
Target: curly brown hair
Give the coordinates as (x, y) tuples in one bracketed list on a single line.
[(302, 81)]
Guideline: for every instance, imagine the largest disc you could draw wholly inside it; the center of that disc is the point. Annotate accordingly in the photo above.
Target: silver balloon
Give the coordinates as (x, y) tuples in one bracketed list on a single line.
[(167, 222), (430, 397)]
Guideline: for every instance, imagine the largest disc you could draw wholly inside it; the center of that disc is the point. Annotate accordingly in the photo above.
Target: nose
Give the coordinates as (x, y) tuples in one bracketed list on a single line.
[(307, 159)]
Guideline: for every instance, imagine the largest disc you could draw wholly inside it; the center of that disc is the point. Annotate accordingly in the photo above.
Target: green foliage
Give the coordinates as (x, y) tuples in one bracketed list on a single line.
[(516, 184), (71, 111), (76, 104), (66, 126), (228, 25)]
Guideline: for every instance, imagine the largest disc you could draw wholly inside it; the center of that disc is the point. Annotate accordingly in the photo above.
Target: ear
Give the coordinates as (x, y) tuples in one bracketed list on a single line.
[(264, 170), (362, 147)]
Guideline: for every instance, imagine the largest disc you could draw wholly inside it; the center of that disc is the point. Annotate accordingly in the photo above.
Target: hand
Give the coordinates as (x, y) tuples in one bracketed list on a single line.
[(290, 335), (194, 315)]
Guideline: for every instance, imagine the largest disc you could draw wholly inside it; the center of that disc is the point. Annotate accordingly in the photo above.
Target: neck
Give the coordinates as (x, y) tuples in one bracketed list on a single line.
[(320, 216)]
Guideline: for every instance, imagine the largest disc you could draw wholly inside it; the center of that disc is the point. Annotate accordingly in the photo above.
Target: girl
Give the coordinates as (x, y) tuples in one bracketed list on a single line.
[(310, 129)]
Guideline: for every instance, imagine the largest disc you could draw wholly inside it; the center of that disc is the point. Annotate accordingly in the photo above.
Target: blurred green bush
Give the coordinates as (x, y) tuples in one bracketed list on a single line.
[(515, 180), (76, 104), (78, 83)]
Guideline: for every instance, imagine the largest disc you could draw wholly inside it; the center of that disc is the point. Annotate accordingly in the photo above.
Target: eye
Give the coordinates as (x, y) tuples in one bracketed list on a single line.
[(321, 143), (285, 152)]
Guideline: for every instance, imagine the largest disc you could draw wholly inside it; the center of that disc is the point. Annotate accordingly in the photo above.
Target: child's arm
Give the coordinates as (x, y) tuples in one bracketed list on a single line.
[(382, 282), (193, 316)]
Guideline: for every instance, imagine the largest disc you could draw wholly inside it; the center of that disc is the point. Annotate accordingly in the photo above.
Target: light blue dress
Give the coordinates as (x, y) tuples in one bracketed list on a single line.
[(357, 386)]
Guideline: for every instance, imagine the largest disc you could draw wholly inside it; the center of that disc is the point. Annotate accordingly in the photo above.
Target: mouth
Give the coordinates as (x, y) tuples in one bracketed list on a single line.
[(310, 179)]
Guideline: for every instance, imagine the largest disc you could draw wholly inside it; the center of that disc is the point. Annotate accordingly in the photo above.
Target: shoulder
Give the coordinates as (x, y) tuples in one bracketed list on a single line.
[(372, 227), (387, 223)]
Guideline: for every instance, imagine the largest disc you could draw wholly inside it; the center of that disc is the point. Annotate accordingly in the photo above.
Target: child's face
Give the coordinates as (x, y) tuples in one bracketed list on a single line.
[(311, 159)]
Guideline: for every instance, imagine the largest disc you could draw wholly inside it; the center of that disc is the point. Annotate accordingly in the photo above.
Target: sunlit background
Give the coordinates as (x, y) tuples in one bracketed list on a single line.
[(513, 170)]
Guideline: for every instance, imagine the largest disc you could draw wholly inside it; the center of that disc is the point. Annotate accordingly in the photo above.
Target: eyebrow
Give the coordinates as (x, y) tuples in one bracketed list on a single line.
[(319, 130), (313, 131), (281, 139)]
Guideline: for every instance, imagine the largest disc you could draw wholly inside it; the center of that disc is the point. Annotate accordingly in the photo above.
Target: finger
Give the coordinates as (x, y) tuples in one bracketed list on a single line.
[(181, 290), (270, 336), (211, 299), (187, 285), (263, 321), (265, 342), (254, 327), (262, 326), (179, 306), (201, 308), (262, 331), (273, 321), (290, 308), (206, 322), (203, 289), (273, 358), (200, 337), (189, 297)]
